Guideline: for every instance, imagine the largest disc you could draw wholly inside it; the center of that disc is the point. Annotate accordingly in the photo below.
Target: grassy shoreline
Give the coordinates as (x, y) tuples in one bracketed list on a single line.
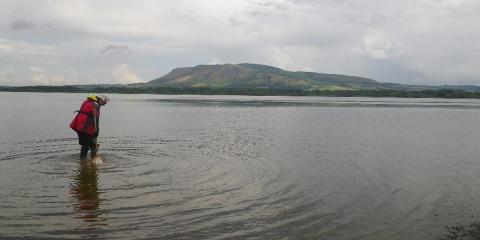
[(442, 93)]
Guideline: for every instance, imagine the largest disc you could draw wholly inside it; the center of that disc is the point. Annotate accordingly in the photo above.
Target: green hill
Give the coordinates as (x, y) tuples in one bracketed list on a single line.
[(255, 79), (248, 75)]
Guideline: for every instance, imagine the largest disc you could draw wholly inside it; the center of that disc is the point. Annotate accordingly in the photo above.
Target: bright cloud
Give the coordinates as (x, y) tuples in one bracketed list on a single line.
[(7, 76), (40, 76), (377, 45), (25, 48), (124, 75)]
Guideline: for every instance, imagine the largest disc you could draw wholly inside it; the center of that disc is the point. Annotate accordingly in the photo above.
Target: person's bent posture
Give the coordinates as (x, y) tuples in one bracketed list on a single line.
[(86, 123)]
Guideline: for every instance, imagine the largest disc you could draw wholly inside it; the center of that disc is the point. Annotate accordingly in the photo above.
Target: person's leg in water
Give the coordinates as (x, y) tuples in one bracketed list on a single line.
[(84, 151), (84, 142), (93, 147)]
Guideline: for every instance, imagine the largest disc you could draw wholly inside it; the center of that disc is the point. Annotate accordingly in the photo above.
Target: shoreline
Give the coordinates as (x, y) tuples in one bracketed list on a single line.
[(440, 93)]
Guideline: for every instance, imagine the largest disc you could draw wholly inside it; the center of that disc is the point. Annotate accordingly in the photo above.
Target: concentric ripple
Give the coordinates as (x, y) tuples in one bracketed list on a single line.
[(146, 187)]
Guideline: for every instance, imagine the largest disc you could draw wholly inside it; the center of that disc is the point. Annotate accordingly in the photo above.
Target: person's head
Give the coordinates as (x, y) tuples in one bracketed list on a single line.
[(102, 99), (92, 97)]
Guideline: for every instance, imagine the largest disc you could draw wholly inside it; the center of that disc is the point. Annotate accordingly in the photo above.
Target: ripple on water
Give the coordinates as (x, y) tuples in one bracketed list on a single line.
[(179, 188), (150, 186)]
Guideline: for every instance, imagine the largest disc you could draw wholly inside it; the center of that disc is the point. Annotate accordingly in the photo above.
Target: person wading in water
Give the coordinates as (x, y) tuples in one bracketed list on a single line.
[(86, 125)]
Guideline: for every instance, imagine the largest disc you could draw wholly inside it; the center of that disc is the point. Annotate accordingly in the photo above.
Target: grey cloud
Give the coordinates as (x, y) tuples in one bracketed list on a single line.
[(374, 20), (235, 21), (378, 19), (273, 4), (254, 14), (22, 24), (112, 49)]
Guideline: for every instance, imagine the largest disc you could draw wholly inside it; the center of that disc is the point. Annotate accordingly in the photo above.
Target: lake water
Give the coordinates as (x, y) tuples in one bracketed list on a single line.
[(239, 167)]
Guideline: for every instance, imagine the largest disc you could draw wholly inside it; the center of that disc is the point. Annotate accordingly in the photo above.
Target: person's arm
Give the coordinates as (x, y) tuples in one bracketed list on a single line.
[(95, 123), (96, 114)]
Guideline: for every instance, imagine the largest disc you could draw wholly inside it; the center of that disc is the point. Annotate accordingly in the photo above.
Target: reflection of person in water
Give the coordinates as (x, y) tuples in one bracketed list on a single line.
[(85, 193)]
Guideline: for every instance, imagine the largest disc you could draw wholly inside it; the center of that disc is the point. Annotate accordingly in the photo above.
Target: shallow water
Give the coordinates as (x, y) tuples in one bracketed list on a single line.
[(236, 167)]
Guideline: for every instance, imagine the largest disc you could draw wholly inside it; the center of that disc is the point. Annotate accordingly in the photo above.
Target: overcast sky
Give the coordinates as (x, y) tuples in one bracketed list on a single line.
[(119, 41)]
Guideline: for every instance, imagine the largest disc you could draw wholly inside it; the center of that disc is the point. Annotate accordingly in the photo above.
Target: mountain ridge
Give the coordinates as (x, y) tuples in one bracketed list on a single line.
[(248, 75)]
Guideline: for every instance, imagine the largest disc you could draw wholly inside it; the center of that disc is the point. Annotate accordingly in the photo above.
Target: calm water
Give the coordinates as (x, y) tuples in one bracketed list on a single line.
[(231, 167)]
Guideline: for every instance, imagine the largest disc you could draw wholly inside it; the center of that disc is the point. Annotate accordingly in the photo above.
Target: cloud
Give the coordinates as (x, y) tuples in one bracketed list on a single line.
[(276, 5), (123, 74), (413, 41), (281, 58), (377, 45), (40, 76), (7, 76), (25, 48), (37, 69), (112, 49), (22, 24), (64, 76), (214, 61)]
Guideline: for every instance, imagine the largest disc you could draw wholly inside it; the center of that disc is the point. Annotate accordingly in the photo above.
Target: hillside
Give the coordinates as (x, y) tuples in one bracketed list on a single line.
[(260, 76), (255, 79)]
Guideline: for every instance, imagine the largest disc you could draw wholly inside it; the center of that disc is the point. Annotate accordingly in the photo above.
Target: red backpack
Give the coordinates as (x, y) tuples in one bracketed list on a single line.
[(86, 119)]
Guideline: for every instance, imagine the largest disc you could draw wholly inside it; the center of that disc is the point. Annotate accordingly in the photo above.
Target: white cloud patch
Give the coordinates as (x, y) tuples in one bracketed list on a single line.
[(25, 48), (65, 76), (40, 76), (37, 69), (279, 57), (377, 45), (7, 76), (216, 61), (123, 74)]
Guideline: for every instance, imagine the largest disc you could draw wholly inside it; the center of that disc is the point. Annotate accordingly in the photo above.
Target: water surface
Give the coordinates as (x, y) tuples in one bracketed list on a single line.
[(238, 167)]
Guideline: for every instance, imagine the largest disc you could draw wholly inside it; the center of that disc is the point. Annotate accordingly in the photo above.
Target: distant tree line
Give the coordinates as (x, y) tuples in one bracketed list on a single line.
[(442, 93)]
